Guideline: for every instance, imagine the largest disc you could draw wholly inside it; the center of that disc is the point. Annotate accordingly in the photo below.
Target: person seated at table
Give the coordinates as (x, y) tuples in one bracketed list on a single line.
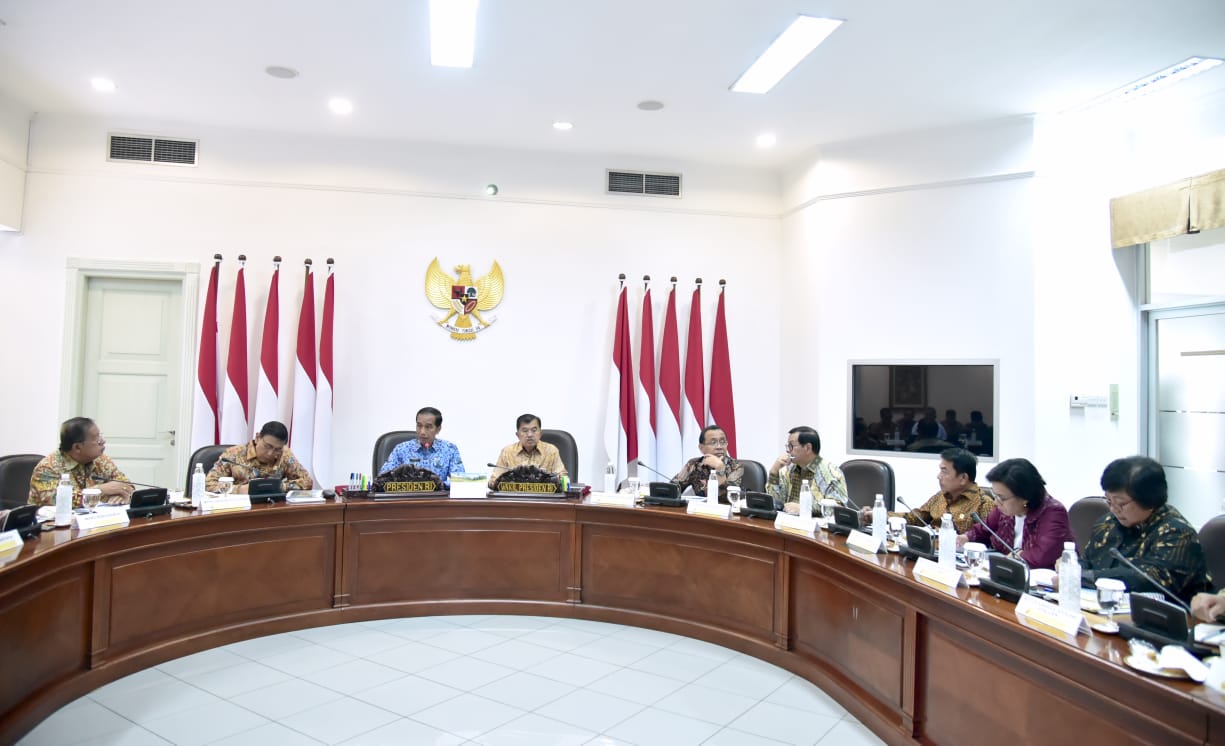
[(82, 457), (1146, 530), (1025, 516), (952, 427), (266, 456), (929, 440), (929, 415), (802, 460), (427, 450), (527, 450), (712, 442), (958, 495), (883, 429)]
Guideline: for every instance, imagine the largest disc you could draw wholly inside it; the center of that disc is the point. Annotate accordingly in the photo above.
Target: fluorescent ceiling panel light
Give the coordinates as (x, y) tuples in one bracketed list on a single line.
[(452, 32), (1158, 81), (563, 126), (103, 85), (792, 46), (341, 106), (766, 141)]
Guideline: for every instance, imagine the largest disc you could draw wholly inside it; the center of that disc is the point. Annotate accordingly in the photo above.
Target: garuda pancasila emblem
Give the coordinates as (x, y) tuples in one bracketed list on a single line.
[(462, 298)]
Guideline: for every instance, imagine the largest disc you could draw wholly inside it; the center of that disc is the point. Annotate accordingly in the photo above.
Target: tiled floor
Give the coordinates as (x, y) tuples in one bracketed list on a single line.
[(459, 680)]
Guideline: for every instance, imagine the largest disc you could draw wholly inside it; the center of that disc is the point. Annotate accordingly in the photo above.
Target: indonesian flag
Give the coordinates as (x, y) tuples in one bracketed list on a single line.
[(668, 453), (646, 385), (302, 426), (322, 456), (204, 420), (621, 436), (693, 406), (722, 406), (267, 401), (234, 425)]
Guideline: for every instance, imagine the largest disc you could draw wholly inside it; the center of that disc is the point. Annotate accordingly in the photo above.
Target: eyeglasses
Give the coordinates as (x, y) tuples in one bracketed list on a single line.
[(791, 446), (1001, 499), (716, 442), (529, 430), (1118, 504)]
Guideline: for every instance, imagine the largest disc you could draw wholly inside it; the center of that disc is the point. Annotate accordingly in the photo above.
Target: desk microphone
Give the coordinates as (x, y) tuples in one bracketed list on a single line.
[(1013, 551), (134, 484), (1183, 604), (927, 525), (254, 469), (653, 471)]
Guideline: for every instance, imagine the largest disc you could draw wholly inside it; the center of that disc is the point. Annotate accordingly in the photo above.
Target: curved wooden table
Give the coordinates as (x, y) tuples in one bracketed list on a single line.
[(913, 663)]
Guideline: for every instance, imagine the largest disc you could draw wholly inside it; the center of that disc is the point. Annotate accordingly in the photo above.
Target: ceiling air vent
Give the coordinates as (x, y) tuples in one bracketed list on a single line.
[(636, 182), (144, 149)]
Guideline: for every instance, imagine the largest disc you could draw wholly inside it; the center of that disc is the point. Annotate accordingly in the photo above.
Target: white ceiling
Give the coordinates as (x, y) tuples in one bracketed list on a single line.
[(895, 65)]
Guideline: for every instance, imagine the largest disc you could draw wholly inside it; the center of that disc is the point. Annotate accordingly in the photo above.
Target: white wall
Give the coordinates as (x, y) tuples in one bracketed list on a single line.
[(384, 211), (14, 137)]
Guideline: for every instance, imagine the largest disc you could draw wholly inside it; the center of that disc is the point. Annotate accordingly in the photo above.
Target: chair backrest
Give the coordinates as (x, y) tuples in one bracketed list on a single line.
[(15, 473), (206, 455), (387, 443), (566, 446), (754, 478), (1212, 539), (866, 478), (1082, 515)]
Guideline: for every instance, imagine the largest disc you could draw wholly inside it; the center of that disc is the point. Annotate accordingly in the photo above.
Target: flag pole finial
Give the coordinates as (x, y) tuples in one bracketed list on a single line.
[(216, 257), (242, 258), (722, 285), (307, 263), (698, 280), (277, 260), (331, 264), (674, 281), (621, 279), (645, 279)]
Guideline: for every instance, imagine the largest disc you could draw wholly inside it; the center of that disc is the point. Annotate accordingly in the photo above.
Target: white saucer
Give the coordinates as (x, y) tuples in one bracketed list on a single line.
[(1105, 628)]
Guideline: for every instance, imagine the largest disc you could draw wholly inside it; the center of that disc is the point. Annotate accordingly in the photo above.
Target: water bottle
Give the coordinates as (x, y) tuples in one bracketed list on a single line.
[(1069, 578), (805, 499), (610, 478), (63, 502), (712, 488), (197, 486), (880, 520), (948, 542)]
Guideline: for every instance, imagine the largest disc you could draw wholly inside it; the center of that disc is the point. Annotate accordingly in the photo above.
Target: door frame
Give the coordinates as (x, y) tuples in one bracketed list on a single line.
[(79, 272)]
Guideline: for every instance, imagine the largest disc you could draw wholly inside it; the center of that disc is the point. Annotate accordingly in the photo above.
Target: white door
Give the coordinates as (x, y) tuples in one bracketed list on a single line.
[(131, 349)]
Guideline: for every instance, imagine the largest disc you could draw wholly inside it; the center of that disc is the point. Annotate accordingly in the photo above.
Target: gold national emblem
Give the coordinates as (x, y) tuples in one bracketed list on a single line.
[(463, 298)]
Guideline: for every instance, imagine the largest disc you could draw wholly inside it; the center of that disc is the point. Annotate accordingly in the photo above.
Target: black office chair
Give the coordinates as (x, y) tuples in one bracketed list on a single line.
[(866, 478), (1082, 516), (1212, 539), (15, 473), (387, 443), (754, 477), (206, 455), (566, 446)]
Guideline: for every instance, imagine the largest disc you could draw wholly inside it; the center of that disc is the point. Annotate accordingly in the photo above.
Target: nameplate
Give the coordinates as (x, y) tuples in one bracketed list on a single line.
[(710, 510), (937, 575), (88, 521), (608, 498), (542, 488), (795, 524), (1046, 615), (863, 542), (10, 540), (225, 504), (430, 486)]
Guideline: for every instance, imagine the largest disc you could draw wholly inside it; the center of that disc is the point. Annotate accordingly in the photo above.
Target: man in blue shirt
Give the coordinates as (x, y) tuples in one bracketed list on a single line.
[(439, 456)]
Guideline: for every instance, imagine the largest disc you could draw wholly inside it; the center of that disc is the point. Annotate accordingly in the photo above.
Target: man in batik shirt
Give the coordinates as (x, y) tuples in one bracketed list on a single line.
[(81, 456), (265, 457)]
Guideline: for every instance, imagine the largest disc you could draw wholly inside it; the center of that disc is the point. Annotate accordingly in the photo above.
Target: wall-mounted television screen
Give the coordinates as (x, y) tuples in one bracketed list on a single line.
[(915, 407)]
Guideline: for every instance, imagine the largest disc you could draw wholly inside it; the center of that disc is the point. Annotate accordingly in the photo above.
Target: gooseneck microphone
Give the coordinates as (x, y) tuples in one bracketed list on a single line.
[(258, 472), (898, 498), (1183, 604), (134, 484), (655, 472), (1013, 551)]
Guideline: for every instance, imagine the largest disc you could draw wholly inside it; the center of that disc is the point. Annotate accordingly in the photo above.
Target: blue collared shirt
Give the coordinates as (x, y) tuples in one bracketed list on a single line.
[(442, 458)]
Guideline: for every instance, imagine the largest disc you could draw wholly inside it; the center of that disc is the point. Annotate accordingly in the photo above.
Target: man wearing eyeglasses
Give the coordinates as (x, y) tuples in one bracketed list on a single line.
[(712, 442), (265, 457), (528, 450), (802, 460), (81, 456)]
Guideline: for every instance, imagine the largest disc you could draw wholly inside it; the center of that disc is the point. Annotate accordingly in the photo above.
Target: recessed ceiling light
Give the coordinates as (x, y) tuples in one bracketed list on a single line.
[(491, 190), (452, 32), (103, 85), (282, 72), (341, 106), (563, 126), (1159, 80), (766, 140), (791, 46), (650, 105)]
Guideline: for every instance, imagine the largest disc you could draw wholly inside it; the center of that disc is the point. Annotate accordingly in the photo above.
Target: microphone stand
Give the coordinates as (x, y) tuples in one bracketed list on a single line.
[(1115, 553), (1012, 552), (926, 525)]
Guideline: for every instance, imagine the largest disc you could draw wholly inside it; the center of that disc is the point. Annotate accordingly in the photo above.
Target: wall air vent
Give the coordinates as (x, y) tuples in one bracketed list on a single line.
[(637, 182), (146, 149)]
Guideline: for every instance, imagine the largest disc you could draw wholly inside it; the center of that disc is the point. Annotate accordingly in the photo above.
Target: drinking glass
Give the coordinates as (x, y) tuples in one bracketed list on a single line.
[(897, 526), (733, 497), (1109, 596), (976, 557), (225, 485), (827, 509), (634, 485), (90, 498)]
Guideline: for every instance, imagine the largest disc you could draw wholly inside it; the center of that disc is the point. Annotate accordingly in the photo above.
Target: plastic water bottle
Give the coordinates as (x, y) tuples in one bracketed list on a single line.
[(805, 500), (1069, 578), (610, 478), (880, 520), (197, 486), (63, 502), (948, 542), (712, 488)]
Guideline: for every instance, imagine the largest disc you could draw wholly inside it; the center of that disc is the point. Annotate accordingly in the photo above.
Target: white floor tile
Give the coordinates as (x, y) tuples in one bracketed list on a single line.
[(367, 643), (588, 709), (516, 654), (354, 676), (207, 660), (160, 701), (689, 646), (653, 727), (330, 633), (674, 664), (587, 625), (559, 637), (636, 686), (730, 737), (850, 733), (704, 703), (784, 724), (338, 720), (133, 735), (408, 695), (573, 669), (267, 735), (415, 656), (615, 650), (645, 636), (205, 724), (468, 715), (419, 628), (746, 677), (466, 673), (259, 648), (508, 625), (534, 730), (606, 740), (129, 684), (805, 696), (307, 660), (405, 732), (234, 680), (74, 724), (286, 698), (524, 690), (465, 641)]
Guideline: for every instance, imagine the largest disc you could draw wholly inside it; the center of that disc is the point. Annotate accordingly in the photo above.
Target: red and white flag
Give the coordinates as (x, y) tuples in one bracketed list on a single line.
[(268, 382), (722, 405), (668, 453), (693, 406), (204, 419), (621, 431), (302, 426), (322, 456), (646, 387), (234, 425)]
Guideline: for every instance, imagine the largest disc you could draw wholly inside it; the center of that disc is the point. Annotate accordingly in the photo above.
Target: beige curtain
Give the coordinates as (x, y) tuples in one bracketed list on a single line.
[(1185, 206), (1208, 201)]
